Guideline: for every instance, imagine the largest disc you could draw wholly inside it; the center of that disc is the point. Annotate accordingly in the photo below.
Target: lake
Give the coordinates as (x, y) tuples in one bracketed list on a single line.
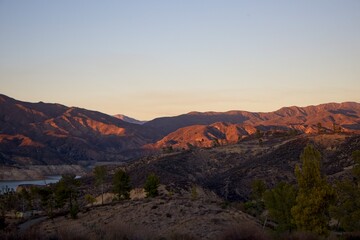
[(13, 184)]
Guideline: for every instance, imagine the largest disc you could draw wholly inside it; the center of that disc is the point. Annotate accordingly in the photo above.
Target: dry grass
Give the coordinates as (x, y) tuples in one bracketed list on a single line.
[(244, 232)]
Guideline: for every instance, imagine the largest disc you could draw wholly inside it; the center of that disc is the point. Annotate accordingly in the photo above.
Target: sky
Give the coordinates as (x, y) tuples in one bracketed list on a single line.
[(147, 59)]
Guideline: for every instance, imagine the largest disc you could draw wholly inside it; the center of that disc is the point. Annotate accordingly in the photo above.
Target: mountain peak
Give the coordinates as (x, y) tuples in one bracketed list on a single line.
[(129, 119)]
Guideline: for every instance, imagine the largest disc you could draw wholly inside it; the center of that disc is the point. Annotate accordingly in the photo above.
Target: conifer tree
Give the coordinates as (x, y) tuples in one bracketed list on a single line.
[(122, 184), (67, 190), (311, 212), (100, 174), (151, 185), (279, 201)]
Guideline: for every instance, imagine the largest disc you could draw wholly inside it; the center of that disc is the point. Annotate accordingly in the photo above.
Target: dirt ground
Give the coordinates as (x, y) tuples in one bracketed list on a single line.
[(159, 217)]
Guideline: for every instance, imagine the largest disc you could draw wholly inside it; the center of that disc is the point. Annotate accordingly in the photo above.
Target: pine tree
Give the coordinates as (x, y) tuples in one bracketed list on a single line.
[(311, 212), (151, 185), (279, 201), (122, 184), (258, 188), (67, 191), (100, 174)]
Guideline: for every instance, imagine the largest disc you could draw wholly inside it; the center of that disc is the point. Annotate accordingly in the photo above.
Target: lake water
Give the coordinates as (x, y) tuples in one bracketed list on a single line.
[(14, 184)]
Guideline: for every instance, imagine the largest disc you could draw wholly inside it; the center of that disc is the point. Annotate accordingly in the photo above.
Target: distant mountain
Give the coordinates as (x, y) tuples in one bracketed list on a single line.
[(43, 133), (46, 133), (345, 115), (129, 119), (209, 128)]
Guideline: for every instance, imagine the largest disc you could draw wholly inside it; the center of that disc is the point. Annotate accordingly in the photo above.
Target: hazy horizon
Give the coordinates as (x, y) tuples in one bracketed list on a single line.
[(150, 59)]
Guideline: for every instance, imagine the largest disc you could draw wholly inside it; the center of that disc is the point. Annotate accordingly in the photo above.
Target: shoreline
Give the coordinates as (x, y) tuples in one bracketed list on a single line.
[(38, 172)]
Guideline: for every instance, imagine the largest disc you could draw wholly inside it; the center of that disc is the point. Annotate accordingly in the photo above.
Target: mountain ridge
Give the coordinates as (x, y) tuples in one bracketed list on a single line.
[(41, 133), (51, 133), (129, 119), (310, 115)]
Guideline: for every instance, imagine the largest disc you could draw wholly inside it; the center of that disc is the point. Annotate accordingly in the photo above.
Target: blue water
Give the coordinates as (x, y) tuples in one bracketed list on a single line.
[(14, 184)]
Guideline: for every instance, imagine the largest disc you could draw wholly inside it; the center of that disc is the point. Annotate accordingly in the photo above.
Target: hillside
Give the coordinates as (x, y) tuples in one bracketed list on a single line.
[(221, 178), (165, 217), (43, 133), (229, 170), (305, 119), (46, 133), (237, 125), (219, 133)]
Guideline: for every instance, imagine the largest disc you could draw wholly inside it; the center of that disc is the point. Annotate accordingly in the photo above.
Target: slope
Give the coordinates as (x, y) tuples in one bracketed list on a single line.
[(43, 133)]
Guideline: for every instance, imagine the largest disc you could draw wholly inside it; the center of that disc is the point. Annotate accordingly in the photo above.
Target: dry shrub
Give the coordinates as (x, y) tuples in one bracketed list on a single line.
[(245, 231)]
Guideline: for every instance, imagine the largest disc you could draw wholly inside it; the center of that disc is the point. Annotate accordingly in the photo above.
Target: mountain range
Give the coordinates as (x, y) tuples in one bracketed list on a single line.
[(44, 133), (48, 133)]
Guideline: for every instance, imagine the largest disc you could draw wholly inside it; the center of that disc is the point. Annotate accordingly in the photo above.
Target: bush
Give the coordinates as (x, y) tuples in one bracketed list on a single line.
[(74, 210)]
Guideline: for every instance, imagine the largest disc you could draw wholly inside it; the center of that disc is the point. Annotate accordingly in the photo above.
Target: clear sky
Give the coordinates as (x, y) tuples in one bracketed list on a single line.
[(158, 58)]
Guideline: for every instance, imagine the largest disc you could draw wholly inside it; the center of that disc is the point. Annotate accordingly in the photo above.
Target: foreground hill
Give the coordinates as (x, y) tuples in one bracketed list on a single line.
[(43, 133), (169, 216), (229, 170)]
